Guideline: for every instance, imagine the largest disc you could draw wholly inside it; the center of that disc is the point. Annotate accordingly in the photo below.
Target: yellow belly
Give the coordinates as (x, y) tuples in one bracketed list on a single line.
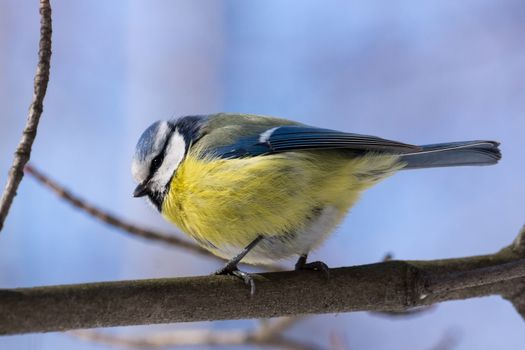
[(226, 203)]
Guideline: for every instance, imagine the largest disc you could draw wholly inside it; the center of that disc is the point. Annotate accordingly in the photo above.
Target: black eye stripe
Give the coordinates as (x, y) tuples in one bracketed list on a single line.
[(157, 161), (188, 127)]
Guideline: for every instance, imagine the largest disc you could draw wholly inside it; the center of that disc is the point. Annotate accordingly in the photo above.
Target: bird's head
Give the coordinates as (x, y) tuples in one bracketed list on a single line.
[(159, 152)]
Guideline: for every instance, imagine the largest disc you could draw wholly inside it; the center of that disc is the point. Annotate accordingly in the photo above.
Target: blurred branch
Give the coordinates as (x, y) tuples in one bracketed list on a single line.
[(23, 151), (264, 336), (450, 340), (116, 222), (386, 286), (337, 341), (112, 220), (269, 329)]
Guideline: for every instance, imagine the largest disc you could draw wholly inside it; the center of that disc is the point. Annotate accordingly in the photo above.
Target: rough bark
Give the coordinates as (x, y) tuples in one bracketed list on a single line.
[(386, 286)]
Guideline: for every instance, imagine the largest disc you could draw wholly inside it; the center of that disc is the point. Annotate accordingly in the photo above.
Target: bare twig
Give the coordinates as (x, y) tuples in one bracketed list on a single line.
[(197, 337), (387, 286), (112, 220), (23, 151), (121, 224)]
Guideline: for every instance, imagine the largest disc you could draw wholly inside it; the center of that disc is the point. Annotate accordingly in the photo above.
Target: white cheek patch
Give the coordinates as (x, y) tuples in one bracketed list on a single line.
[(172, 158)]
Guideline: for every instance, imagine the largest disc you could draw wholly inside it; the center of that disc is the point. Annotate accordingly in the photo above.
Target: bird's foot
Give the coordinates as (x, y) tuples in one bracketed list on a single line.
[(233, 270), (312, 266)]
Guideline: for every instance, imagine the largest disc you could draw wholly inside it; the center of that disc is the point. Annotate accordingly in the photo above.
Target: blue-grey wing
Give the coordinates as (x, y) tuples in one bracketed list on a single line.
[(296, 138)]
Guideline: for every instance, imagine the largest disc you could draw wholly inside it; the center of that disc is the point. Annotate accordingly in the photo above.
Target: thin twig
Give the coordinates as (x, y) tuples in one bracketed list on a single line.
[(23, 151), (121, 224), (112, 220), (198, 337)]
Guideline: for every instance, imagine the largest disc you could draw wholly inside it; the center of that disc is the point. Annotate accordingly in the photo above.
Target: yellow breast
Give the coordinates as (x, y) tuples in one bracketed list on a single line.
[(229, 202)]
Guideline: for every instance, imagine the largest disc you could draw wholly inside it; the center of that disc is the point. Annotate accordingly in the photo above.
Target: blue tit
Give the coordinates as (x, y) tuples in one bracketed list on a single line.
[(261, 189)]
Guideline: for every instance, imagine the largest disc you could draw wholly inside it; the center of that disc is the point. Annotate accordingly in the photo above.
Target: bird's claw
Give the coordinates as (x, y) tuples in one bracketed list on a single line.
[(314, 266), (247, 278), (234, 271)]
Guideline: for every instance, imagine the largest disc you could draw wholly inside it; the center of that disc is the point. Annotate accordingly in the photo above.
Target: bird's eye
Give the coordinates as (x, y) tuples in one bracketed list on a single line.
[(155, 163)]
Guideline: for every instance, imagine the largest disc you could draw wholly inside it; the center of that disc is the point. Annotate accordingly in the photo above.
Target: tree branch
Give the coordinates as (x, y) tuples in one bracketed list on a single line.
[(386, 286), (23, 151)]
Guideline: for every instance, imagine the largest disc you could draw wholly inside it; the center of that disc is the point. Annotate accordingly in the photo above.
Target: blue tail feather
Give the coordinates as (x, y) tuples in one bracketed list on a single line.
[(453, 154)]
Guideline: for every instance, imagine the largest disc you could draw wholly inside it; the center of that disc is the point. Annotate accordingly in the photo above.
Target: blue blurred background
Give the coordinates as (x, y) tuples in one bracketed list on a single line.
[(419, 72)]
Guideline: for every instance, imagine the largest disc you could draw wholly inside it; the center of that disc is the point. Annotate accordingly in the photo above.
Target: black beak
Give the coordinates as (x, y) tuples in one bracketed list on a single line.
[(141, 190)]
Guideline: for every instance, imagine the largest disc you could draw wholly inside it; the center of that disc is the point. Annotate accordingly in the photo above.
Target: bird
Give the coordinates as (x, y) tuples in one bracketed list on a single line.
[(261, 189)]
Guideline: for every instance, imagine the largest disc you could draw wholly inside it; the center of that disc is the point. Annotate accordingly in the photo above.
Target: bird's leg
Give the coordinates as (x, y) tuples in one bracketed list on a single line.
[(301, 264), (231, 266)]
